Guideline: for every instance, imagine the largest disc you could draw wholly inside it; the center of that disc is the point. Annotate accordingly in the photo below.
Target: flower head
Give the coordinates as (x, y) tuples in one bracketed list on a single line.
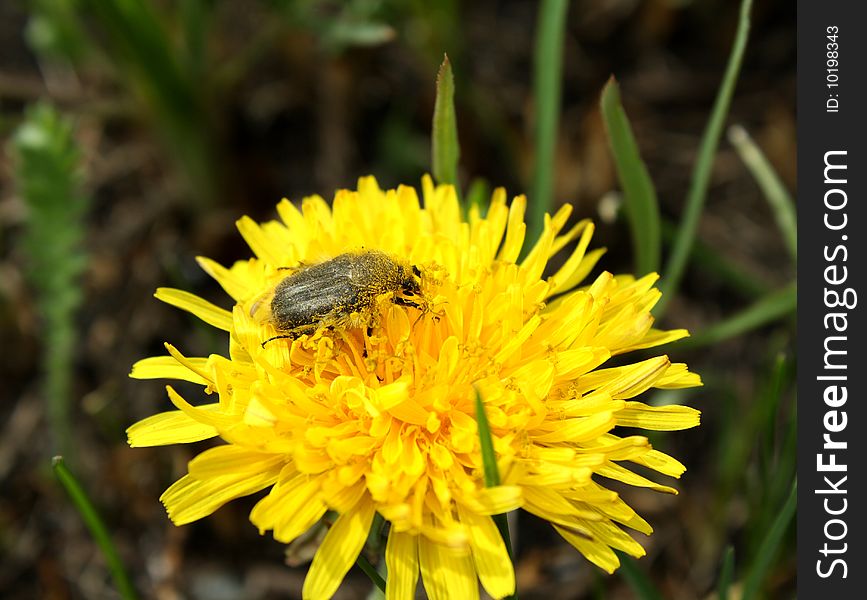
[(375, 412)]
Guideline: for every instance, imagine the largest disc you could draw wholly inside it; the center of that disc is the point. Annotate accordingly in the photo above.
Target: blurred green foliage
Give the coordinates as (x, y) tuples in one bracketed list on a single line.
[(50, 182)]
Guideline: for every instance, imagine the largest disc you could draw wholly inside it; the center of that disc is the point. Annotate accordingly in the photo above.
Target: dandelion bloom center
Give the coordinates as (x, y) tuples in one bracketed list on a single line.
[(375, 412)]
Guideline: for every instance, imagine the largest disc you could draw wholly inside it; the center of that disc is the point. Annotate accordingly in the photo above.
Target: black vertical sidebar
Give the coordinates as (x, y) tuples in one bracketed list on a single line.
[(832, 270)]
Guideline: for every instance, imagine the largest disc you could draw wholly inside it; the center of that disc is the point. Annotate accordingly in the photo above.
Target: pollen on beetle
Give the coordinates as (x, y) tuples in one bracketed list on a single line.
[(365, 402), (340, 293)]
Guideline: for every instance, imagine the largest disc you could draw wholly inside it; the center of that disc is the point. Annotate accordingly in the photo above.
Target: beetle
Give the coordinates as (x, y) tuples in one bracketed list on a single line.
[(341, 292)]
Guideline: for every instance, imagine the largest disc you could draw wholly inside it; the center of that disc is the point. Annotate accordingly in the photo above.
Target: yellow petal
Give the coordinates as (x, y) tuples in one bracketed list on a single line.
[(577, 430), (446, 574), (203, 414), (234, 285), (631, 380), (515, 231), (563, 239), (612, 535), (580, 274), (661, 462), (600, 554), (495, 500), (190, 499), (171, 427), (519, 337), (207, 312), (573, 263), (166, 367), (658, 418), (258, 241), (294, 221), (338, 551), (655, 337), (226, 460), (677, 376), (490, 555), (615, 471), (191, 364), (550, 501), (401, 559), (290, 509)]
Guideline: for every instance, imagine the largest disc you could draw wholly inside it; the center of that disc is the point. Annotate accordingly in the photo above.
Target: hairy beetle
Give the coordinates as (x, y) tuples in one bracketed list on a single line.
[(341, 292)]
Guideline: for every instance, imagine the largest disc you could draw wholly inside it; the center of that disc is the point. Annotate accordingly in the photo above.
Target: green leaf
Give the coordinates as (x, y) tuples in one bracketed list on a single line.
[(701, 173), (445, 150), (547, 84), (95, 525), (773, 189), (638, 191), (768, 550)]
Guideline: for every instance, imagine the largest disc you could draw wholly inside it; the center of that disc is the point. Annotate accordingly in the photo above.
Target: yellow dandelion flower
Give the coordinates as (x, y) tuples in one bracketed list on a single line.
[(375, 413)]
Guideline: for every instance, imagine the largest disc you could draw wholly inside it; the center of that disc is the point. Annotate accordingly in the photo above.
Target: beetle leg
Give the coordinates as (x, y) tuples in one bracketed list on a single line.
[(400, 301), (279, 337), (293, 334)]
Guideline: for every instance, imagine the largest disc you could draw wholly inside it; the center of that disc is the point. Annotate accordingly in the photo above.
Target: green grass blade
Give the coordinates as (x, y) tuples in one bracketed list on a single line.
[(701, 173), (547, 83), (489, 459), (96, 527), (764, 311), (726, 574), (638, 191), (371, 572), (772, 187), (768, 550), (492, 473), (445, 149), (641, 586)]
